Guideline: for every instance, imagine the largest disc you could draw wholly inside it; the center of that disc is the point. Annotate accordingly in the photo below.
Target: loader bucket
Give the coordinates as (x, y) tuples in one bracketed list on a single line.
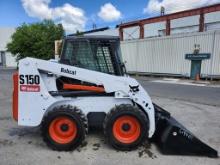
[(172, 138)]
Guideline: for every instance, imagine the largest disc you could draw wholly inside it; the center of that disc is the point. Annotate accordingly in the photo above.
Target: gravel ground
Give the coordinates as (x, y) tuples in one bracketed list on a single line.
[(23, 145)]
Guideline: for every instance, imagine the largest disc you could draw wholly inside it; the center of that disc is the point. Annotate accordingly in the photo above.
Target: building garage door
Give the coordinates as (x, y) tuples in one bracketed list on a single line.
[(2, 58)]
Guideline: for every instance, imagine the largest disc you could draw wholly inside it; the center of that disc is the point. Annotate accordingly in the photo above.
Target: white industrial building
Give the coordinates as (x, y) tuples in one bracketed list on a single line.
[(6, 58), (184, 44), (167, 55)]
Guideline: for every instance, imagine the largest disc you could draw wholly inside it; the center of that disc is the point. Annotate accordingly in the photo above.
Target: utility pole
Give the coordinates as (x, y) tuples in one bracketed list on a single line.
[(162, 11), (94, 26)]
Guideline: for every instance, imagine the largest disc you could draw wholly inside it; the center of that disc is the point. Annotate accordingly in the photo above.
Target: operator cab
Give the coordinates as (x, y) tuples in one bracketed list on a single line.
[(98, 53)]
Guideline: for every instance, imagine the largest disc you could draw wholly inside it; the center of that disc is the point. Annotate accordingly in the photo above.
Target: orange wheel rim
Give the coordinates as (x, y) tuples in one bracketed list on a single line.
[(63, 130), (126, 129)]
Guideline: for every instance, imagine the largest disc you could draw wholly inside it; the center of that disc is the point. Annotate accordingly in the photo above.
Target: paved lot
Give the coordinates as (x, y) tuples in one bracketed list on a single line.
[(200, 112), (190, 93)]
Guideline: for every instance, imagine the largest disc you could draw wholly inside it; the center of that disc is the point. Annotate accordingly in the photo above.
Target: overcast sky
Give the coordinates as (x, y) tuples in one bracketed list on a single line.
[(81, 14)]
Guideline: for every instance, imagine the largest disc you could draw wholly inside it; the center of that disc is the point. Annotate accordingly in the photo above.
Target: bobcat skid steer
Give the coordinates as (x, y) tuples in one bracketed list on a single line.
[(89, 87)]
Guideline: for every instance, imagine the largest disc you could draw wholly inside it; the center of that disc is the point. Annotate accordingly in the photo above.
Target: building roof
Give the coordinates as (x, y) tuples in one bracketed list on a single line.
[(91, 31), (99, 37)]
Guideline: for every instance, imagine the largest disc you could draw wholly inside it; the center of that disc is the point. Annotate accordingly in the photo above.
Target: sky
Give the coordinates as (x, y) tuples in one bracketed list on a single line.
[(82, 14)]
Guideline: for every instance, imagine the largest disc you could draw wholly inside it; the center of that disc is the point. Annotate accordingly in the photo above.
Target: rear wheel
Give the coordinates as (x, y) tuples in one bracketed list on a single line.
[(64, 128), (126, 127)]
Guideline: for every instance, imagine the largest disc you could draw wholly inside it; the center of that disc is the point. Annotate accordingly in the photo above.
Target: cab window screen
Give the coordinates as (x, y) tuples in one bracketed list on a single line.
[(90, 55)]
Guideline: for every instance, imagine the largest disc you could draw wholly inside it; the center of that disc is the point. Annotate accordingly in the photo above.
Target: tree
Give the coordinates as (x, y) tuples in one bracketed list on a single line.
[(35, 40)]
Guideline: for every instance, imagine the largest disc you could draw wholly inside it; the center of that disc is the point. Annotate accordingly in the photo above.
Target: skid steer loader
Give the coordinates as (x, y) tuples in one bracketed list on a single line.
[(89, 87)]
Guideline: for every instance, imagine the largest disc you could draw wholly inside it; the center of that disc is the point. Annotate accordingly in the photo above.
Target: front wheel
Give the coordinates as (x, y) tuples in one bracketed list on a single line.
[(126, 127)]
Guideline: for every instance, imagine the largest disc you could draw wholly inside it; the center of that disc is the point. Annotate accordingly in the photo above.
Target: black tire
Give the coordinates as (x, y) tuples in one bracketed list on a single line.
[(71, 113), (119, 111)]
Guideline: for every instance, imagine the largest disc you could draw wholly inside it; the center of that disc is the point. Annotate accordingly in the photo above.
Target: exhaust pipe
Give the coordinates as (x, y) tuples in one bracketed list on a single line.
[(172, 138), (57, 47)]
